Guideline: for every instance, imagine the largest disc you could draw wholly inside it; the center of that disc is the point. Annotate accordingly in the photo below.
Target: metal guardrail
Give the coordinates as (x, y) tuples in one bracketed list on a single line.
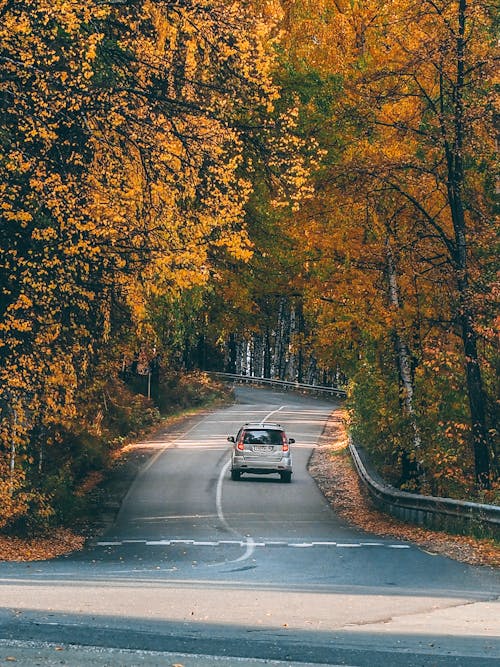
[(455, 516), (281, 384)]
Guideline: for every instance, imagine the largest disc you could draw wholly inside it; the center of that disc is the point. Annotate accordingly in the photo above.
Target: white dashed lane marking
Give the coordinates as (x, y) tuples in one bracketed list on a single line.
[(239, 543)]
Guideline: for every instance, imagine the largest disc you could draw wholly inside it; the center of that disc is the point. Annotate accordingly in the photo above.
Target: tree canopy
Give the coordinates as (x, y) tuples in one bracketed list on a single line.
[(303, 191)]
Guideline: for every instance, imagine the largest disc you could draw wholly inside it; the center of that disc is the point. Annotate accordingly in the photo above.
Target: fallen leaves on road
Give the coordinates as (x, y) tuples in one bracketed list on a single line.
[(331, 467), (57, 543)]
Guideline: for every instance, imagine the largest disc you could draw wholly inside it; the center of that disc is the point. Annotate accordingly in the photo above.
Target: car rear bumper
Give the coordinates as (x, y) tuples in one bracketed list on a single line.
[(261, 467)]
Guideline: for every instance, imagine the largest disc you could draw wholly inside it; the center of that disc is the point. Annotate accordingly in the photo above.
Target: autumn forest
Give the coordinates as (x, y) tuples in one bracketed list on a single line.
[(297, 190)]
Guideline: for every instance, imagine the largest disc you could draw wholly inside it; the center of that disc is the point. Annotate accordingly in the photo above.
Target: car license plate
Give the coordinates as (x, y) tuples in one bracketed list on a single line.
[(263, 448)]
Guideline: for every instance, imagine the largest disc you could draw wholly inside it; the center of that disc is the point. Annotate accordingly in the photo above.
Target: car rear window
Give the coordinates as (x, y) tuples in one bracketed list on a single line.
[(262, 437)]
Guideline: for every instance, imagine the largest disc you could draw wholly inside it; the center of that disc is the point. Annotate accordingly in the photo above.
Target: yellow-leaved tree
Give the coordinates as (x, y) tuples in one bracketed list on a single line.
[(128, 133)]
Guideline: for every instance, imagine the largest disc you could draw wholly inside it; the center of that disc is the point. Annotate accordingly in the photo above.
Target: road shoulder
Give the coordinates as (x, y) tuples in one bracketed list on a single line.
[(106, 496), (332, 469)]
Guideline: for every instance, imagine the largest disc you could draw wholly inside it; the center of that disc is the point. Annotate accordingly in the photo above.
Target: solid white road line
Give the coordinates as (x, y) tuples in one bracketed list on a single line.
[(272, 413), (218, 497), (248, 541)]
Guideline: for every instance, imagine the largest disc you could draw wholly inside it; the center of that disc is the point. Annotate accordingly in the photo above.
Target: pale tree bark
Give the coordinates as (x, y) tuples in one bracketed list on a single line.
[(403, 355)]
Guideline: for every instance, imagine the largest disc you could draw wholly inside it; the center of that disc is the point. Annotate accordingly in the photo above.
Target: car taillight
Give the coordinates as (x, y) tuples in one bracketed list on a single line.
[(285, 443), (240, 444)]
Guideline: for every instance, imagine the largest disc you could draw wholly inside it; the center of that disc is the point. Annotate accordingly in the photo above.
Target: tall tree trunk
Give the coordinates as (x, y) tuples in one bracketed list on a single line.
[(13, 450), (300, 353), (231, 368), (476, 395), (267, 353), (291, 365), (402, 351), (475, 389), (258, 352), (278, 356)]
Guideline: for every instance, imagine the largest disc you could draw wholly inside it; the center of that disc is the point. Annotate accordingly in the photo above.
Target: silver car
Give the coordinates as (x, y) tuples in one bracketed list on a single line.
[(261, 448)]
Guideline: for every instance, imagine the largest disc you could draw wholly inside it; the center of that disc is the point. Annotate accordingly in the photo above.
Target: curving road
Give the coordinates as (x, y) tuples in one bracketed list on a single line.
[(201, 570)]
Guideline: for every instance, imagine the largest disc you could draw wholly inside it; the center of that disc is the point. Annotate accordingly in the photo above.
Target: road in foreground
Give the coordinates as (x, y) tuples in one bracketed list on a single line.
[(203, 567)]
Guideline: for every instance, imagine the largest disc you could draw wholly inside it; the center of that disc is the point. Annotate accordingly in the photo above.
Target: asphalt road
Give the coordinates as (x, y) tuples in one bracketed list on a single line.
[(199, 570)]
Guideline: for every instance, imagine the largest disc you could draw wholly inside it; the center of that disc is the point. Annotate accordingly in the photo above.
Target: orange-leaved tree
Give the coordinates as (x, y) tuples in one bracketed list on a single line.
[(400, 233)]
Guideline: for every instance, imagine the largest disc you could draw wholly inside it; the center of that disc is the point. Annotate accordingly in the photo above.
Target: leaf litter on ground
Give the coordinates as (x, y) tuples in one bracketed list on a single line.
[(332, 468)]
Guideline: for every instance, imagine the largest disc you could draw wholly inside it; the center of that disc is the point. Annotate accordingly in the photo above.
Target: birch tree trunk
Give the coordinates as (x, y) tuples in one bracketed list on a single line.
[(267, 353), (402, 351)]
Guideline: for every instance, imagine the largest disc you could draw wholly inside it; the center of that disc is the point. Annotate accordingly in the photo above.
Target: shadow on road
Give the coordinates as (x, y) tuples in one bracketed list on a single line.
[(360, 648)]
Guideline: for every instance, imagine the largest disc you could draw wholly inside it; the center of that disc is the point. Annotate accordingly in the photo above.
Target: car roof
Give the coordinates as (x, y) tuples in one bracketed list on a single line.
[(267, 425)]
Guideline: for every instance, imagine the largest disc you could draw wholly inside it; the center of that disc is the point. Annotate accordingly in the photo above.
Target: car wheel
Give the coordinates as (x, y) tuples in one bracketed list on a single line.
[(235, 475), (286, 477)]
